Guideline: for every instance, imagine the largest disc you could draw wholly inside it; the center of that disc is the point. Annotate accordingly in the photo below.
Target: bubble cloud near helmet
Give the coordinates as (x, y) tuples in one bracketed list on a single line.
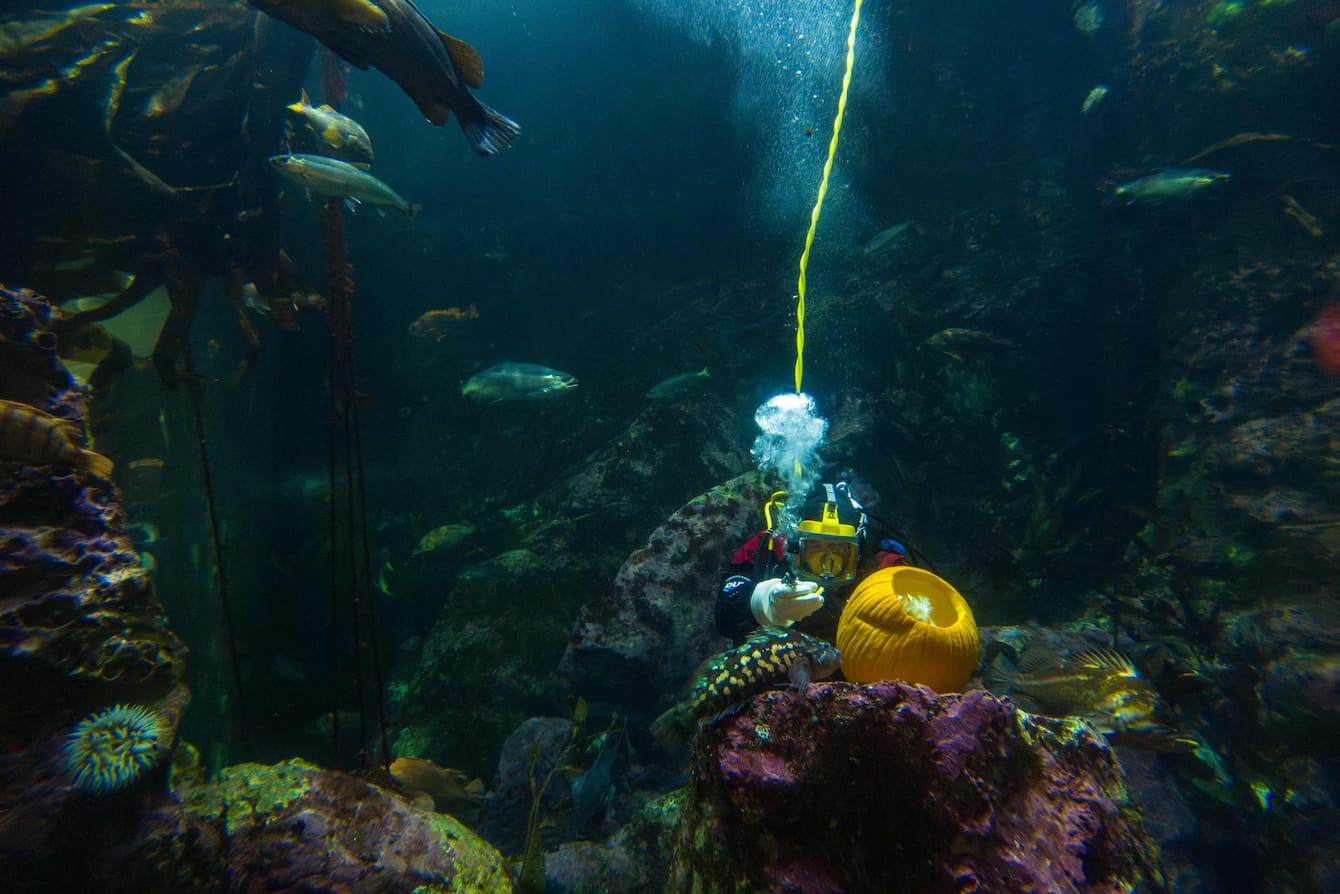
[(828, 537)]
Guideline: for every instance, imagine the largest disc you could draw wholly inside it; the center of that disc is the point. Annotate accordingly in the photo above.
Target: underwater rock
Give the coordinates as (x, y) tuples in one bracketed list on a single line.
[(83, 637), (488, 662), (507, 806), (656, 624), (293, 826), (887, 787)]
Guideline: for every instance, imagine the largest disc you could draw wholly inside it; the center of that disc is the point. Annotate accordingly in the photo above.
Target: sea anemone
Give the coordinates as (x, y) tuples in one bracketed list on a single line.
[(905, 623), (111, 749)]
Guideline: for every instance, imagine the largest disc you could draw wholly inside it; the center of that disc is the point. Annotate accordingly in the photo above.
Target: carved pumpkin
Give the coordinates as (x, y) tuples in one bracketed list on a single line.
[(905, 623)]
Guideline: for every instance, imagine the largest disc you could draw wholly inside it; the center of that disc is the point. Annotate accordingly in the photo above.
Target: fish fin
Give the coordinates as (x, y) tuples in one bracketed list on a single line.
[(381, 212), (466, 58), (1038, 659), (95, 463), (333, 136), (361, 165), (705, 374), (302, 103), (1000, 675), (352, 204), (1104, 659), (413, 210), (491, 131)]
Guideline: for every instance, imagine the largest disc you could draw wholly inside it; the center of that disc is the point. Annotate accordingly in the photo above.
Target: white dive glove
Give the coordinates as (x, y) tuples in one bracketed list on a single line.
[(777, 603)]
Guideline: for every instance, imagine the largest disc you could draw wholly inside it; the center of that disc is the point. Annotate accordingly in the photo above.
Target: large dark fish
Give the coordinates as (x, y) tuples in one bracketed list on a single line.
[(395, 38)]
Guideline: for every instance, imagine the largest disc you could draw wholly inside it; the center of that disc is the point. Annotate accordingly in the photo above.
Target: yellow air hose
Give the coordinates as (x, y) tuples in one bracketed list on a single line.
[(823, 191)]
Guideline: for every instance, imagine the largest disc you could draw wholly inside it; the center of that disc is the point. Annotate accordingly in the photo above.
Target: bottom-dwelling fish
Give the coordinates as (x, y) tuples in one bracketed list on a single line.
[(518, 381), (31, 435), (772, 656), (1100, 685), (332, 177)]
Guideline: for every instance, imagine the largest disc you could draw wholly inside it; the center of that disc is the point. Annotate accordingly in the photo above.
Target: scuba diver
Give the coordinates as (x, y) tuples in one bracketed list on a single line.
[(775, 581)]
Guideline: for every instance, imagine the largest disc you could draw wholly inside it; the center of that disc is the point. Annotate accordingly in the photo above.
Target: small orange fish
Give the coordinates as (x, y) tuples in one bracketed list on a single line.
[(435, 323), (31, 435)]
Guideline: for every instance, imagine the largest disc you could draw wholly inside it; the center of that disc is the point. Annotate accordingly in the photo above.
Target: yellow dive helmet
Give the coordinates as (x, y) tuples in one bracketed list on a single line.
[(828, 538)]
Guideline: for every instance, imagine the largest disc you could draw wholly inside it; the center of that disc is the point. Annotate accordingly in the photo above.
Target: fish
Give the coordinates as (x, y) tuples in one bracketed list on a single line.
[(1163, 186), (592, 791), (169, 97), (771, 656), (447, 787), (436, 324), (955, 341), (30, 435), (332, 177), (677, 384), (1096, 95), (444, 537), (339, 133), (889, 239), (1100, 685), (518, 381), (433, 68)]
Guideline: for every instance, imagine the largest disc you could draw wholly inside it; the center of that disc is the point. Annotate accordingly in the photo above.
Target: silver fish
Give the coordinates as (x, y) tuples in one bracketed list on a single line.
[(332, 177), (1160, 187), (518, 381), (677, 384), (895, 236), (340, 133)]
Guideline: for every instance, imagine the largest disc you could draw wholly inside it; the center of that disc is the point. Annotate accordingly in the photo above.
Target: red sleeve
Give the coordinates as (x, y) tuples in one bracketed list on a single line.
[(747, 554)]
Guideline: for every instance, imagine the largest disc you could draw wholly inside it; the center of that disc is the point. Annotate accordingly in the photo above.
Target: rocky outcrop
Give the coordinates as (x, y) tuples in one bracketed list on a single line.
[(292, 826), (81, 631), (889, 788)]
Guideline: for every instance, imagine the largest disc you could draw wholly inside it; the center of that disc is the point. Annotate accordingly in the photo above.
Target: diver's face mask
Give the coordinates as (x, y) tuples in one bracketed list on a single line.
[(828, 560), (828, 540)]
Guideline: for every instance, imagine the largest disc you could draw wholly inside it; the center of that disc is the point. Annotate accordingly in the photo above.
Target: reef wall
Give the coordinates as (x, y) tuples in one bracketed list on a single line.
[(81, 631)]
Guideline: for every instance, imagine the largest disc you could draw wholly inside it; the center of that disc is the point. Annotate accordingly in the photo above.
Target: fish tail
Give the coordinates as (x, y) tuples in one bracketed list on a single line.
[(490, 131), (91, 461), (674, 728)]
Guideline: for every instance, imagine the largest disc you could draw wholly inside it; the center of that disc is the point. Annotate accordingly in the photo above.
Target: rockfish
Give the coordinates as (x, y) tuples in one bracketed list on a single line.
[(1174, 183), (1100, 685), (437, 323), (394, 37), (518, 381), (332, 177), (771, 656), (339, 133), (30, 435)]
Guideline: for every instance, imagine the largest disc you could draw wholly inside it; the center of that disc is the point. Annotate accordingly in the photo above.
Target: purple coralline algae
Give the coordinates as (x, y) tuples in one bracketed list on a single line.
[(887, 787)]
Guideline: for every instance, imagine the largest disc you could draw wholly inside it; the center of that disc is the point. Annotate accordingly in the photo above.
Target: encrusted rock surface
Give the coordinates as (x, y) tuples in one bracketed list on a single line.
[(656, 623), (293, 827), (81, 629), (888, 788)]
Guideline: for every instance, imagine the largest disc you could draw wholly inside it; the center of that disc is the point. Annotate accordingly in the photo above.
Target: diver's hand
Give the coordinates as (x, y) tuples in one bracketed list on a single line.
[(777, 603)]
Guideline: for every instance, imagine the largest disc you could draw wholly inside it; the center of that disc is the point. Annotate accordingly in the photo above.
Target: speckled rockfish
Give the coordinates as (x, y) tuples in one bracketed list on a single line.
[(771, 656)]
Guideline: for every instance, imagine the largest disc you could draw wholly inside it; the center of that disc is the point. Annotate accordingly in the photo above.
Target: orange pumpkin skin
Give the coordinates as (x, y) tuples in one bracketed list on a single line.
[(879, 640)]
